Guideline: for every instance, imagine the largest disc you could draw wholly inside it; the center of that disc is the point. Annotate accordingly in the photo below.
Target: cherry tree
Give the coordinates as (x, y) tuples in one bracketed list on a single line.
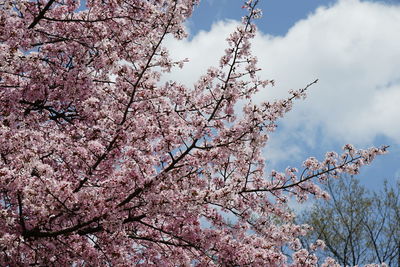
[(103, 165)]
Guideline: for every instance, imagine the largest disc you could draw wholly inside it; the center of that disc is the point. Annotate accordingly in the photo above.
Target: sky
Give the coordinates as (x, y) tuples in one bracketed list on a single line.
[(351, 46)]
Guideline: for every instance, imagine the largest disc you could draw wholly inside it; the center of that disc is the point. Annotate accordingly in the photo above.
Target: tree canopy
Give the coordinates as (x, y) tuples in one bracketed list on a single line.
[(103, 165)]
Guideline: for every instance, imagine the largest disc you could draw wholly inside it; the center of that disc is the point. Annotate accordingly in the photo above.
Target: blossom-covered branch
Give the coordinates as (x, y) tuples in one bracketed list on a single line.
[(103, 164)]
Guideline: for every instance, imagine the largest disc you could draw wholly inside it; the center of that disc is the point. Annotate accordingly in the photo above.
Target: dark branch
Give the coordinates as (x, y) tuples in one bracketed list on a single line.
[(36, 233), (68, 115), (96, 164), (134, 219), (90, 230), (21, 215), (41, 14)]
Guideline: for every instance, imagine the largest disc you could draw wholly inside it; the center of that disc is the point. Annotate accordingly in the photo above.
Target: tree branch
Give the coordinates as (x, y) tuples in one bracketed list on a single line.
[(41, 14)]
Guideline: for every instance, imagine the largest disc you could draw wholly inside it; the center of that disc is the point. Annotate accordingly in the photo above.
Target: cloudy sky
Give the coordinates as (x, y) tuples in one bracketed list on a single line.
[(351, 46)]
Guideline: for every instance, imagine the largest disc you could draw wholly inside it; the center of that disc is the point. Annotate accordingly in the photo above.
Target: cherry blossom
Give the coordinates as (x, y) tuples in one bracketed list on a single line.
[(103, 165)]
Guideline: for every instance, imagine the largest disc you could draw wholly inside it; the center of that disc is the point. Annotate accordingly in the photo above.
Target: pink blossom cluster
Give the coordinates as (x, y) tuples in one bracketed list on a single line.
[(100, 165)]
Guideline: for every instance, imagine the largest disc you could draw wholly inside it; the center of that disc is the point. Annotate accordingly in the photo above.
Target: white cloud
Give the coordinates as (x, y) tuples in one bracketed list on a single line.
[(203, 51), (353, 48)]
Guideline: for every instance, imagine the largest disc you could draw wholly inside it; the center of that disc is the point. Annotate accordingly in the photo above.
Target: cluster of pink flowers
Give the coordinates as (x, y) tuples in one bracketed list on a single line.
[(101, 165)]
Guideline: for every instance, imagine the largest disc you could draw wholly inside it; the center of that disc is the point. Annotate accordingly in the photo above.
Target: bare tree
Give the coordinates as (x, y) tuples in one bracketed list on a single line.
[(358, 226)]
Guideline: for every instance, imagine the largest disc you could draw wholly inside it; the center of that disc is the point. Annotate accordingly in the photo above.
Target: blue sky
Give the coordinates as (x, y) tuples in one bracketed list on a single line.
[(350, 45), (279, 15)]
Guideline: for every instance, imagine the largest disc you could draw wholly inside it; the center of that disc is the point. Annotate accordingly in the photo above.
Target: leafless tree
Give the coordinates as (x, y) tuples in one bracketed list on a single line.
[(357, 225)]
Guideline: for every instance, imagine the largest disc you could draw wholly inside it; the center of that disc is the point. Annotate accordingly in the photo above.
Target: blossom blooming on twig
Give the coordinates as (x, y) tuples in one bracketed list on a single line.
[(102, 165)]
